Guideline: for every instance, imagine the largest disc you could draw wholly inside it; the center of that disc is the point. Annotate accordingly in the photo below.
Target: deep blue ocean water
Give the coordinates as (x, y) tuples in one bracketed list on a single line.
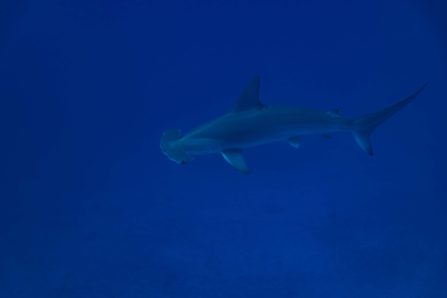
[(90, 207)]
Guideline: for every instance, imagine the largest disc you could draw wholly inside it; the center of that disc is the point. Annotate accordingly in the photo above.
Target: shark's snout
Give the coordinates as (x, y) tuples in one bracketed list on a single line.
[(177, 155), (171, 147)]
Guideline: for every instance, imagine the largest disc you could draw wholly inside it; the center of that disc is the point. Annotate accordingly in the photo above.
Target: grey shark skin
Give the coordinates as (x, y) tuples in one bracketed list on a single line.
[(251, 123)]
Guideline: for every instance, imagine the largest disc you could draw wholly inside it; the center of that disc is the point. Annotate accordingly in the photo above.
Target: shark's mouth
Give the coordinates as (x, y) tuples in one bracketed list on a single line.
[(178, 156)]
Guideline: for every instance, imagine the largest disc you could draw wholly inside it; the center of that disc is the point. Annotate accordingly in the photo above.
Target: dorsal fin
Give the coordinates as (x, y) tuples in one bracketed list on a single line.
[(249, 98)]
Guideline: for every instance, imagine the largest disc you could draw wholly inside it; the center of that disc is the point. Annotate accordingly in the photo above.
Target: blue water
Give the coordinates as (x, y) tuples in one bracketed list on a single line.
[(90, 207)]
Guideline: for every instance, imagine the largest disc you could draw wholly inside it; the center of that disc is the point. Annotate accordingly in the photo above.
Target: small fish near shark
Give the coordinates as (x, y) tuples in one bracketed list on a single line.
[(251, 123)]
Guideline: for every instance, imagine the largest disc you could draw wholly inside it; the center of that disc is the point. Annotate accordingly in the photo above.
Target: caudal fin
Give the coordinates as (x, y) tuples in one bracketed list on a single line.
[(364, 126)]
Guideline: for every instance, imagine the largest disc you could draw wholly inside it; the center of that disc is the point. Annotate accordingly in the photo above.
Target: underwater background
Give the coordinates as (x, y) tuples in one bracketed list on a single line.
[(90, 207)]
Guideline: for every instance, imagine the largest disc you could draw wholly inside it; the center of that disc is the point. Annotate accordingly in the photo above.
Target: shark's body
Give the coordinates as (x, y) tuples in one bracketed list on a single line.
[(251, 124)]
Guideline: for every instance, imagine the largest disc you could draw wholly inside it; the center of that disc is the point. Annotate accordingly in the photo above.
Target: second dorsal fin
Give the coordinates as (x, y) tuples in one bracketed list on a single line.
[(249, 99)]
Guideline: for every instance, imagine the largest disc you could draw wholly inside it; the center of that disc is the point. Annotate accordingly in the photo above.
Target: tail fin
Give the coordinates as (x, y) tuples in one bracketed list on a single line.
[(364, 126)]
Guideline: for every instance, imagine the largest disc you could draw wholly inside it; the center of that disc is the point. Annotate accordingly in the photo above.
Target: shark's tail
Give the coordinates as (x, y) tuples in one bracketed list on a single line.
[(363, 127)]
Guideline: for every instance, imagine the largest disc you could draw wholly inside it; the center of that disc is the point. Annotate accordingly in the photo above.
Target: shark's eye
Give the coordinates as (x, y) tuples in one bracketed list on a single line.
[(183, 162)]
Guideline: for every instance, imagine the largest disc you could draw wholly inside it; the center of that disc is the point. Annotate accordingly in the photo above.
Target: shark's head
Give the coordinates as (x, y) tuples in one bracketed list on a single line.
[(173, 148)]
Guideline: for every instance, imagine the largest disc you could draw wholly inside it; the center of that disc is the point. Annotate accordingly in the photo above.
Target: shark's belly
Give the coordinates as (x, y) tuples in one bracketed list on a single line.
[(253, 135), (259, 128)]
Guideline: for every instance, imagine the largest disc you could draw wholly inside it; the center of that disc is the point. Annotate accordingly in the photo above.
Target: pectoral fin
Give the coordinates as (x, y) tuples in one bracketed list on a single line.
[(295, 141), (234, 157)]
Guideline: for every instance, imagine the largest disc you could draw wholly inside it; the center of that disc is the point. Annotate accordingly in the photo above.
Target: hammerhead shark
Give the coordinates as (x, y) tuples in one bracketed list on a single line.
[(252, 123)]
